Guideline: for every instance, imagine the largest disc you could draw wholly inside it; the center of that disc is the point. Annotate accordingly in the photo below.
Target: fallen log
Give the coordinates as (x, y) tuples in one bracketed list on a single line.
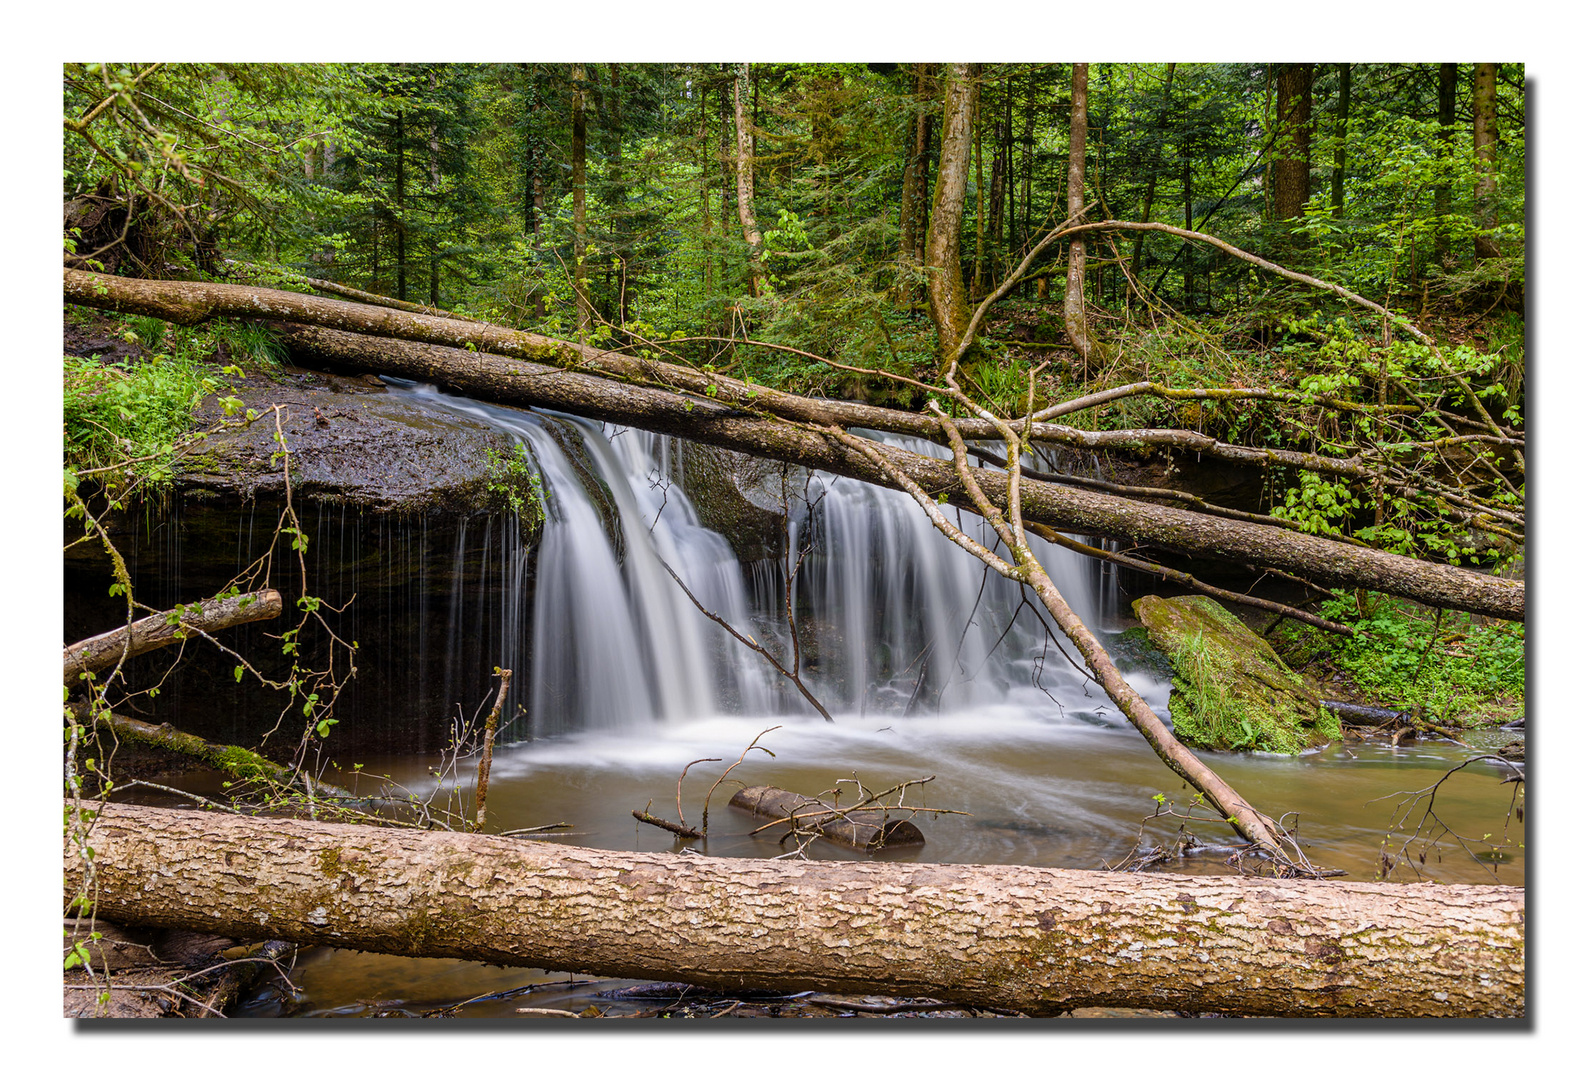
[(858, 828), (166, 628), (1367, 715), (1041, 941), (459, 354), (235, 761), (522, 383)]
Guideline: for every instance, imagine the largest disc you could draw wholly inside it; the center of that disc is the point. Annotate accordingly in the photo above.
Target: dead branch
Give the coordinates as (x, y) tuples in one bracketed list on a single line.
[(166, 628), (489, 740)]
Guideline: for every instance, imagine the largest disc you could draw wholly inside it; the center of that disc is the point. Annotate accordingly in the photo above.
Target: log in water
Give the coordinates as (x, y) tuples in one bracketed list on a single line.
[(857, 828)]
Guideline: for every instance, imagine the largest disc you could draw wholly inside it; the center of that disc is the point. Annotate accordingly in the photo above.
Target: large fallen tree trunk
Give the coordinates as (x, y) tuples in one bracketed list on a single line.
[(1041, 941), (190, 302), (744, 423), (517, 382)]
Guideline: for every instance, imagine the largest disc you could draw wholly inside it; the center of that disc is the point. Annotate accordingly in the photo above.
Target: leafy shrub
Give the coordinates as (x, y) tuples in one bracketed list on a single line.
[(1459, 668)]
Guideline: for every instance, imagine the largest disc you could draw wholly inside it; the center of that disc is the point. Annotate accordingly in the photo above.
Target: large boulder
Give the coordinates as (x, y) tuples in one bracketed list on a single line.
[(1231, 690)]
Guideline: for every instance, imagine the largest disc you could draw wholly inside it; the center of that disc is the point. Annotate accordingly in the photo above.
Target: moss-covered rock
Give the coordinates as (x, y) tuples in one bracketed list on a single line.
[(1231, 690)]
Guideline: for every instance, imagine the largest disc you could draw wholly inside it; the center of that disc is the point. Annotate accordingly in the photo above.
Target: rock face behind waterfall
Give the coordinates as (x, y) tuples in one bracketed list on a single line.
[(1231, 690), (742, 497), (411, 538)]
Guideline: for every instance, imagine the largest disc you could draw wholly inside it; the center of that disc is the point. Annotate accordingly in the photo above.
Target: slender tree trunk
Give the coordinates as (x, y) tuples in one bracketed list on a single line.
[(1041, 941), (914, 162), (1342, 119), (1447, 138), (1485, 148), (978, 279), (744, 173), (996, 187), (945, 282), (1028, 159), (1075, 325), (1293, 147), (581, 288)]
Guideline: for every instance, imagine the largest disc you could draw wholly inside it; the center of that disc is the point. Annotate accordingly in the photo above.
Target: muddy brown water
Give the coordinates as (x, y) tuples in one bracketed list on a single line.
[(1033, 792)]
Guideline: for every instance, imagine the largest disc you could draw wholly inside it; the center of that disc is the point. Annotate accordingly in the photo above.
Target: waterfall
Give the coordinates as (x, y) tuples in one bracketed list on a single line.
[(892, 617), (917, 622)]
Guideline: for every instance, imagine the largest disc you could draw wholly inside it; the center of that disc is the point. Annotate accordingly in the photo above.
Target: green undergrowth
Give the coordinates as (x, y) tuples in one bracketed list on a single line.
[(1457, 668), (134, 410)]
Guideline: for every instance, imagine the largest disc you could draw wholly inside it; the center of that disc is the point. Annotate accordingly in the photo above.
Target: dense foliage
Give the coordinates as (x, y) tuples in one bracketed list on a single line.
[(488, 189)]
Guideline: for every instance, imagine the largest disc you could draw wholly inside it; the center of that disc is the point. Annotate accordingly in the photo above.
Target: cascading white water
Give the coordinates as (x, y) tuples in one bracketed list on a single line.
[(918, 623), (892, 616), (615, 640)]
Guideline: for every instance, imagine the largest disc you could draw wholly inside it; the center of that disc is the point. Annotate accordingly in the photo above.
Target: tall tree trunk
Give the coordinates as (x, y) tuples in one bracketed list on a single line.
[(1293, 147), (945, 282), (914, 162), (534, 188), (1447, 138), (1042, 941), (996, 187), (433, 145), (978, 279), (581, 288), (744, 173), (1075, 326), (622, 243), (1152, 173), (1485, 149), (1342, 119)]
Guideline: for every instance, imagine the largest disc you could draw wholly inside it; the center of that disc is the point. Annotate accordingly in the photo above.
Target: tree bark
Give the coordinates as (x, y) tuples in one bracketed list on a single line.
[(1293, 147), (1485, 148), (744, 173), (857, 828), (739, 425), (1041, 941), (166, 628), (945, 282), (914, 164), (1075, 326)]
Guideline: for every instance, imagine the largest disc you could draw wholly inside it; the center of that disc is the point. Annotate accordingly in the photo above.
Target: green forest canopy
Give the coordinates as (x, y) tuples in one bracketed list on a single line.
[(503, 191)]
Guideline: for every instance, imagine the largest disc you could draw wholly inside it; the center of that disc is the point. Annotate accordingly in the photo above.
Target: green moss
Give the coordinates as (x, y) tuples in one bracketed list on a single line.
[(1231, 690), (244, 764)]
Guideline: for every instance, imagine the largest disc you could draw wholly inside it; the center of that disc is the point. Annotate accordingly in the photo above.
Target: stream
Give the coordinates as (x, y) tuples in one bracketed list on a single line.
[(931, 665)]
